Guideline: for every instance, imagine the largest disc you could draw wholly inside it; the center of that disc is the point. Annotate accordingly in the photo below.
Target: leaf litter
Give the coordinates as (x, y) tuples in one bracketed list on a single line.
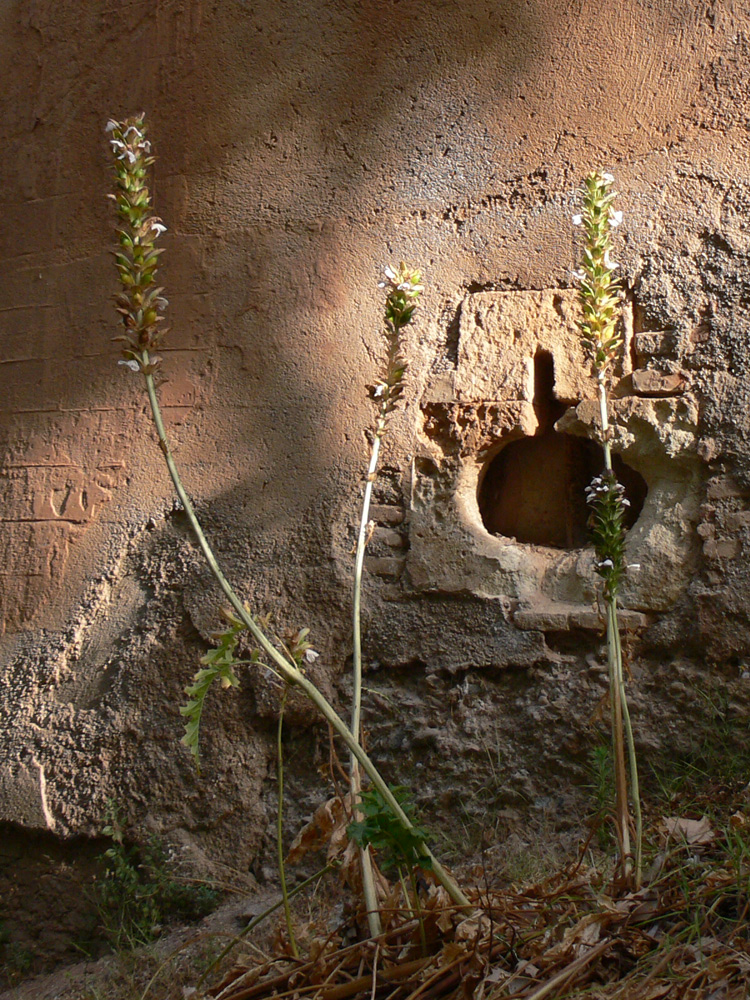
[(684, 935)]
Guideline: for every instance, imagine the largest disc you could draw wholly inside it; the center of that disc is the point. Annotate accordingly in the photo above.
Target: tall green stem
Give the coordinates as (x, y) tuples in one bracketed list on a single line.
[(635, 785), (288, 670), (358, 567), (600, 297), (604, 417), (404, 289), (618, 745), (355, 784), (622, 729)]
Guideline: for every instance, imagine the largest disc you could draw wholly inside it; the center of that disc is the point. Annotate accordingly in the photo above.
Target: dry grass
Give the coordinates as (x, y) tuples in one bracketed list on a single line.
[(684, 935), (572, 932)]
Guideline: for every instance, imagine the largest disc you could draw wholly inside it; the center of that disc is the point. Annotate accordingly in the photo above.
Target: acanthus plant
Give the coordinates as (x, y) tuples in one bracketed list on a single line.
[(141, 306), (600, 325)]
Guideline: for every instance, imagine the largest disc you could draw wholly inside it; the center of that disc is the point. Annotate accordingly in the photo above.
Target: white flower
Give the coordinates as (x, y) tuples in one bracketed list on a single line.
[(577, 220), (615, 219), (116, 144), (111, 125), (633, 566), (158, 228), (611, 265), (389, 273), (311, 656), (132, 128), (131, 155), (605, 564), (132, 365), (378, 391), (608, 178), (625, 502)]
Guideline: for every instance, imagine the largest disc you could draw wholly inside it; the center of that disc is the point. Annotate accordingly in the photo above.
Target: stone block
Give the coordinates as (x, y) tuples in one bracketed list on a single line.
[(386, 513), (501, 332), (568, 616), (389, 537), (656, 384), (724, 488), (722, 548), (542, 621), (384, 566)]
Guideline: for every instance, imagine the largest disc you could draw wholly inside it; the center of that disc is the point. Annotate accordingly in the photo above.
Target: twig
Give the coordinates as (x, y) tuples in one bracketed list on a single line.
[(375, 972), (570, 970)]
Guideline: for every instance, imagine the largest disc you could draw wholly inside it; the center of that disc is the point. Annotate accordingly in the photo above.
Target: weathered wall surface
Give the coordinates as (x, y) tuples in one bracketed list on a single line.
[(300, 147)]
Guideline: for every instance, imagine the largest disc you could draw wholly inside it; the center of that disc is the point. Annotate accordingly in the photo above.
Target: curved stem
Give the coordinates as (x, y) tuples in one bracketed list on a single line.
[(280, 826), (288, 670)]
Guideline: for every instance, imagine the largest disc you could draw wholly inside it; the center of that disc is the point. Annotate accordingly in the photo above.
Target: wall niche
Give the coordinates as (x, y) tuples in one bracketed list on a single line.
[(533, 489), (507, 447)]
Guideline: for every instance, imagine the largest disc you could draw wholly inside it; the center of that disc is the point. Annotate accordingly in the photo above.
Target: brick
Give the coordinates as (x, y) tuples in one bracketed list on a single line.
[(384, 566), (656, 384), (386, 513), (631, 621), (389, 537), (541, 621), (582, 616)]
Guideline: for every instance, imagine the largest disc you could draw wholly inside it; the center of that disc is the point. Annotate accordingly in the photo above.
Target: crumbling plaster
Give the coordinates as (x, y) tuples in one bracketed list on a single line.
[(472, 412), (300, 147)]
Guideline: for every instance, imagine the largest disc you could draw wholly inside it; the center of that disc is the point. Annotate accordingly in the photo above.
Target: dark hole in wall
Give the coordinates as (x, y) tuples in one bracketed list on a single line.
[(533, 490)]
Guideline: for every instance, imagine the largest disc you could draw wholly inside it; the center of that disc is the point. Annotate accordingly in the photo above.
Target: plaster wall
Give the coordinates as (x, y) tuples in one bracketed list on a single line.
[(301, 146)]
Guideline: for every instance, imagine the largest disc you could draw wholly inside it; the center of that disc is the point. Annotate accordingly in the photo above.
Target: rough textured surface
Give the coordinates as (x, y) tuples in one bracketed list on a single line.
[(300, 147)]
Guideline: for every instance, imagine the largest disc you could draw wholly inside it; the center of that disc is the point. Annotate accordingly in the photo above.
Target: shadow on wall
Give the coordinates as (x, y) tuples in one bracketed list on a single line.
[(268, 119), (294, 141)]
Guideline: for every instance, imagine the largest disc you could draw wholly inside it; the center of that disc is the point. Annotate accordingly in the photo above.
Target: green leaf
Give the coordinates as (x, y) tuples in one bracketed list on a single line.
[(218, 665)]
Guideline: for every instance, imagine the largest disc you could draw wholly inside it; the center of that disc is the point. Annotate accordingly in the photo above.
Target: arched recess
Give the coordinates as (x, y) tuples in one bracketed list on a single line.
[(533, 489)]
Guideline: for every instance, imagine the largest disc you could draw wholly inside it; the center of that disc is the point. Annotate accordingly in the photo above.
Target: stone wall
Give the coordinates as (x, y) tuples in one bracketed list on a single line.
[(301, 146)]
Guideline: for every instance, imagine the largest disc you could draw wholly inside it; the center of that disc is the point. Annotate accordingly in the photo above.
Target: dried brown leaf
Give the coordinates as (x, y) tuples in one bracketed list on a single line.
[(581, 936), (472, 928), (692, 831), (327, 827)]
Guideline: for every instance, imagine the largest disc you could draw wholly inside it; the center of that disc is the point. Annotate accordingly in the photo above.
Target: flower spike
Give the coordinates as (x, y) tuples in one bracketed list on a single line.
[(139, 303), (403, 293), (600, 291)]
